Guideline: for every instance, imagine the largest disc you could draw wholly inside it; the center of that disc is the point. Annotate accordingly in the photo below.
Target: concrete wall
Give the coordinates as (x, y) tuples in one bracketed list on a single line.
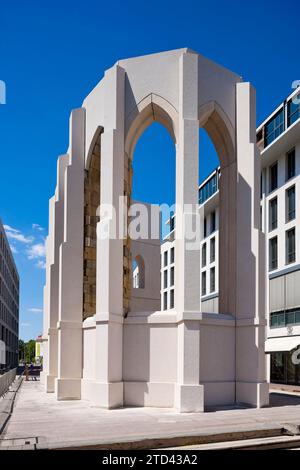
[(149, 359)]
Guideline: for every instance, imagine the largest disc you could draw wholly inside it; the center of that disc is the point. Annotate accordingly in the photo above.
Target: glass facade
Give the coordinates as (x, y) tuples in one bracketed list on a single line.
[(209, 188), (283, 370), (293, 110), (285, 318), (274, 127)]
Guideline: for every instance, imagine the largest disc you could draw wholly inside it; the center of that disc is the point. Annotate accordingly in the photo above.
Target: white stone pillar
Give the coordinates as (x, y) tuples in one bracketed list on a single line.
[(251, 384), (108, 386), (68, 382), (46, 318), (55, 239), (188, 391)]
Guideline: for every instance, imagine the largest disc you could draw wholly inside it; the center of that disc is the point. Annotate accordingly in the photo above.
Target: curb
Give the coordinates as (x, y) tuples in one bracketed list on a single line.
[(163, 441)]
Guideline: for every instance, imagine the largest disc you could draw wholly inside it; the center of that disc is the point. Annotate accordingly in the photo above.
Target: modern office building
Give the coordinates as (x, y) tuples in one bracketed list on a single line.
[(278, 138), (9, 302)]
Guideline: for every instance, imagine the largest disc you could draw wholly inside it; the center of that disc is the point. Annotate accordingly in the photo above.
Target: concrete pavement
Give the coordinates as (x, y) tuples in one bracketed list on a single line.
[(39, 421)]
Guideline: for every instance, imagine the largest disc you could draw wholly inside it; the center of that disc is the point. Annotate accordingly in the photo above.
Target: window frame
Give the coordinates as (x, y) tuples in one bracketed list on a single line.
[(287, 252), (273, 224), (273, 264)]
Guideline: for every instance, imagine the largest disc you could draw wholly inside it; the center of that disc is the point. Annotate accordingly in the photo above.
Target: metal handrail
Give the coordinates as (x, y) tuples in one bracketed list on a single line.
[(6, 380)]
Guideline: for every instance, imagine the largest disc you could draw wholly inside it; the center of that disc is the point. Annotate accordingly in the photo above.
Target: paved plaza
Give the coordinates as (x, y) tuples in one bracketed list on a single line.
[(38, 418)]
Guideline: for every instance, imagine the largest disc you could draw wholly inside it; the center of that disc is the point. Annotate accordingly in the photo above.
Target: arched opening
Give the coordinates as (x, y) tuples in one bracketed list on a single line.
[(217, 202), (150, 180), (138, 272), (91, 205), (209, 173)]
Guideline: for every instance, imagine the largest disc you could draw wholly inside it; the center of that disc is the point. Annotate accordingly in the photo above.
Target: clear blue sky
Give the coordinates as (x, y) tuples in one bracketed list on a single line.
[(52, 53)]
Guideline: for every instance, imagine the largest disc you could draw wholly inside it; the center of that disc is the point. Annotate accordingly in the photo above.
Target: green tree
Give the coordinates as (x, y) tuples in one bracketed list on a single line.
[(27, 350), (21, 350), (30, 351)]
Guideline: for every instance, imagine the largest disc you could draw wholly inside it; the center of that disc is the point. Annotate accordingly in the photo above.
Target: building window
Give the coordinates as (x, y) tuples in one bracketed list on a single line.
[(273, 177), (293, 110), (273, 256), (172, 255), (203, 290), (284, 318), (212, 280), (172, 223), (290, 246), (212, 222), (274, 127), (273, 214), (172, 276), (165, 258), (172, 298), (290, 204), (165, 278), (205, 227), (212, 249), (290, 165), (209, 188), (165, 300), (204, 255)]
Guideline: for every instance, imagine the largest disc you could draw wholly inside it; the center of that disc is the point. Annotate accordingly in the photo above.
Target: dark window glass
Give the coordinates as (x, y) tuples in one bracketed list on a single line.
[(293, 110), (273, 214), (208, 189), (273, 253), (212, 249), (165, 278), (205, 227), (290, 246), (290, 165), (165, 300), (273, 177), (290, 204), (212, 222), (274, 127), (165, 258), (172, 277), (277, 367), (281, 319), (172, 255), (212, 280), (172, 223), (204, 283), (273, 320), (290, 318), (204, 255), (172, 298)]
